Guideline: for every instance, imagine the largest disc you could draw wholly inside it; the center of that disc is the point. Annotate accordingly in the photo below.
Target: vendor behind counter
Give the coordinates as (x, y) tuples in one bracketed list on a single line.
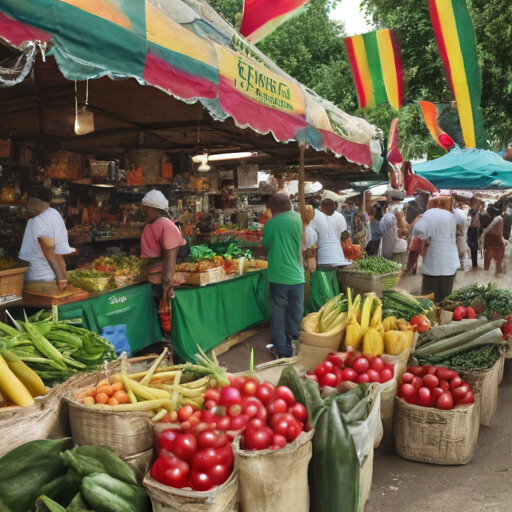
[(45, 241)]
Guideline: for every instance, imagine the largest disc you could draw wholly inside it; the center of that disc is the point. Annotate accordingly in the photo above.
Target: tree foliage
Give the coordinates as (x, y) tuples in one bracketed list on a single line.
[(492, 20)]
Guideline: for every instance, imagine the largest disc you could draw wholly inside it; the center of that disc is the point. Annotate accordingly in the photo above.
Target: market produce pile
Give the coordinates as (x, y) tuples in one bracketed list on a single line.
[(246, 235), (119, 265), (57, 477), (376, 266), (54, 349), (403, 305), (490, 300), (431, 386)]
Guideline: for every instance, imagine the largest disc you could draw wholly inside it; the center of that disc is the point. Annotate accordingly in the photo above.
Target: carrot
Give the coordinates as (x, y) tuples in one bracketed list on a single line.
[(102, 398)]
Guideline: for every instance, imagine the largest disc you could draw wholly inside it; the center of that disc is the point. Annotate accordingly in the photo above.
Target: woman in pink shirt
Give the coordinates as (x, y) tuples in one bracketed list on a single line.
[(159, 243)]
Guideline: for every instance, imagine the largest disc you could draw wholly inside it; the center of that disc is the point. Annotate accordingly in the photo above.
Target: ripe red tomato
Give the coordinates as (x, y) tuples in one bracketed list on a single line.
[(286, 394), (208, 417), (166, 439), (251, 410), (388, 366), (233, 381), (422, 323), (277, 407), (224, 423), (225, 455), (443, 384), (258, 439), (468, 399), (363, 378), (250, 388), (235, 410), (323, 368), (335, 360), (278, 440), (239, 422), (417, 382), (256, 424), (219, 474), (470, 313), (201, 427), (408, 391), (444, 373), (348, 374), (455, 382), (185, 412), (425, 397), (459, 313), (361, 365), (445, 402), (407, 377), (328, 380), (299, 412), (351, 357), (265, 393), (210, 404), (204, 459), (373, 375), (436, 393), (177, 476), (386, 375), (430, 381), (419, 371), (293, 432), (200, 481), (185, 446), (460, 392), (430, 370), (206, 439), (212, 394), (377, 364), (229, 396)]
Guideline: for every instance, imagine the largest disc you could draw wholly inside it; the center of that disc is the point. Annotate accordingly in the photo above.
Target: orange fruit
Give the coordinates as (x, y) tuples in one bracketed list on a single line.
[(102, 398)]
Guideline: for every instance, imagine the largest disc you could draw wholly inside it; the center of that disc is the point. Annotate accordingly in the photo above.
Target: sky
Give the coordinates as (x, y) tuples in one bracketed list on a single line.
[(348, 11)]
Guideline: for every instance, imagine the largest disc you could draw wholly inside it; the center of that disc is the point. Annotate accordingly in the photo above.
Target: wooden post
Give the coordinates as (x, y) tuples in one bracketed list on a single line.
[(302, 178)]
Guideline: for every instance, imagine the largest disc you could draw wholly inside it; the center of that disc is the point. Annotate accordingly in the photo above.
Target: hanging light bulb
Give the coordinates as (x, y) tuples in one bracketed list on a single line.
[(204, 167), (84, 119)]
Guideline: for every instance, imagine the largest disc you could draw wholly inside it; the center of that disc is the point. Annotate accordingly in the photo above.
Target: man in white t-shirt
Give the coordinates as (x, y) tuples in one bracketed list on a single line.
[(45, 240), (441, 259), (325, 231)]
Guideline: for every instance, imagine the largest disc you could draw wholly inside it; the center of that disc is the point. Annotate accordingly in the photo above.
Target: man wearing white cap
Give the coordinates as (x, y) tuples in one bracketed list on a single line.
[(325, 231), (159, 244)]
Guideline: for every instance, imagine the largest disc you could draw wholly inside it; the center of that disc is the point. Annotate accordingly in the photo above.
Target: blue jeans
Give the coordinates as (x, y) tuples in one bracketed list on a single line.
[(286, 310)]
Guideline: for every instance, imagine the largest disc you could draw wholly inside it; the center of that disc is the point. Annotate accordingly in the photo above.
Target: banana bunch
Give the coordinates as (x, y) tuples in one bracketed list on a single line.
[(19, 385)]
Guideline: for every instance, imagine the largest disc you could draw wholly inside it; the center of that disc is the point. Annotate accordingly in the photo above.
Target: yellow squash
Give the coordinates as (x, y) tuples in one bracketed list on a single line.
[(373, 344), (390, 323)]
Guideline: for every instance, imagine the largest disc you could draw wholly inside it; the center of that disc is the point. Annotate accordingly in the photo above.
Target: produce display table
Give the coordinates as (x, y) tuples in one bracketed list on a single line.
[(208, 315), (127, 316)]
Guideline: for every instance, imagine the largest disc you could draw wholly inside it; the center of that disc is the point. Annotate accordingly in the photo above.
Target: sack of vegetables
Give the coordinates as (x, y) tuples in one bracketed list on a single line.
[(436, 417)]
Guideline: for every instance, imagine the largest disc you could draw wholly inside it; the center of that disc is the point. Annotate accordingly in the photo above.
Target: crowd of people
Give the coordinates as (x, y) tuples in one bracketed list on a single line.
[(440, 232)]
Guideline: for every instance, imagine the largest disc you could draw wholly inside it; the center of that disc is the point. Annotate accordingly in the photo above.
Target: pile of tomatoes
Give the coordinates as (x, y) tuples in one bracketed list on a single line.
[(201, 461), (431, 386), (351, 367), (196, 452)]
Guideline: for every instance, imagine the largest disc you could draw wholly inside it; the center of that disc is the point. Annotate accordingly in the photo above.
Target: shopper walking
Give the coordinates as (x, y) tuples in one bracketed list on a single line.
[(282, 236), (394, 247), (461, 218), (416, 245), (474, 236), (494, 244), (372, 249), (441, 261)]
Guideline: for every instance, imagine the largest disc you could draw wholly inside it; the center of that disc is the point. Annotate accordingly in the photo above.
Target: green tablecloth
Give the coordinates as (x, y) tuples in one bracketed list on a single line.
[(126, 317), (208, 315)]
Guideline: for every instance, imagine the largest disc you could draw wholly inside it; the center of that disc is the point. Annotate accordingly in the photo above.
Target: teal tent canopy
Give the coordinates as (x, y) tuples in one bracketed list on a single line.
[(470, 168)]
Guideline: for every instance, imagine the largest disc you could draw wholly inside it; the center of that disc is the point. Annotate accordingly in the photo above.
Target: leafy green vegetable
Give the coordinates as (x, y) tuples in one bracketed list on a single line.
[(235, 252), (490, 299), (201, 252), (482, 357), (376, 266)]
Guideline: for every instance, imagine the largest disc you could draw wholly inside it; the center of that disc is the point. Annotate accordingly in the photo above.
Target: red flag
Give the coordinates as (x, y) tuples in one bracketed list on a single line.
[(261, 17)]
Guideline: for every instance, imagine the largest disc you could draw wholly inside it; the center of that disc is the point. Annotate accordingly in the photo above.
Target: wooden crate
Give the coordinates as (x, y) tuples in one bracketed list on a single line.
[(215, 275)]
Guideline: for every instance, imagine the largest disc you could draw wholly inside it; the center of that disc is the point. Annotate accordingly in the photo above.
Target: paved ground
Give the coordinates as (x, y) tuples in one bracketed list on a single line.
[(399, 485)]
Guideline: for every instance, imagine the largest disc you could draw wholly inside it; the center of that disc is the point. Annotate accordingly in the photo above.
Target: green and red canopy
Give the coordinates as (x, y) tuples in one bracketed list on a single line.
[(185, 48)]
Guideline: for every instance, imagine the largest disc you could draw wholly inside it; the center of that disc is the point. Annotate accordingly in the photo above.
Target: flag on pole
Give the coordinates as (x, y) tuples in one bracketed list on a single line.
[(456, 42), (262, 17), (377, 69), (430, 115)]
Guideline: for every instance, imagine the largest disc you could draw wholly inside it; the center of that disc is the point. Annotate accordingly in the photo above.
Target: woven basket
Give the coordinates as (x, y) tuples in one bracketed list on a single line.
[(361, 283), (436, 436), (484, 385), (141, 463), (311, 357), (331, 340), (169, 499)]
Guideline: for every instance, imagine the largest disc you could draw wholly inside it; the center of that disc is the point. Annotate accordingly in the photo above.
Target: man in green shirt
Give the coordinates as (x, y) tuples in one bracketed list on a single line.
[(283, 237)]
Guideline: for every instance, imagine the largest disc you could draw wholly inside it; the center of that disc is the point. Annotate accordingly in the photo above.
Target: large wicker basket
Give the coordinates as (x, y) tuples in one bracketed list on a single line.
[(310, 357), (361, 283), (436, 436), (331, 340)]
